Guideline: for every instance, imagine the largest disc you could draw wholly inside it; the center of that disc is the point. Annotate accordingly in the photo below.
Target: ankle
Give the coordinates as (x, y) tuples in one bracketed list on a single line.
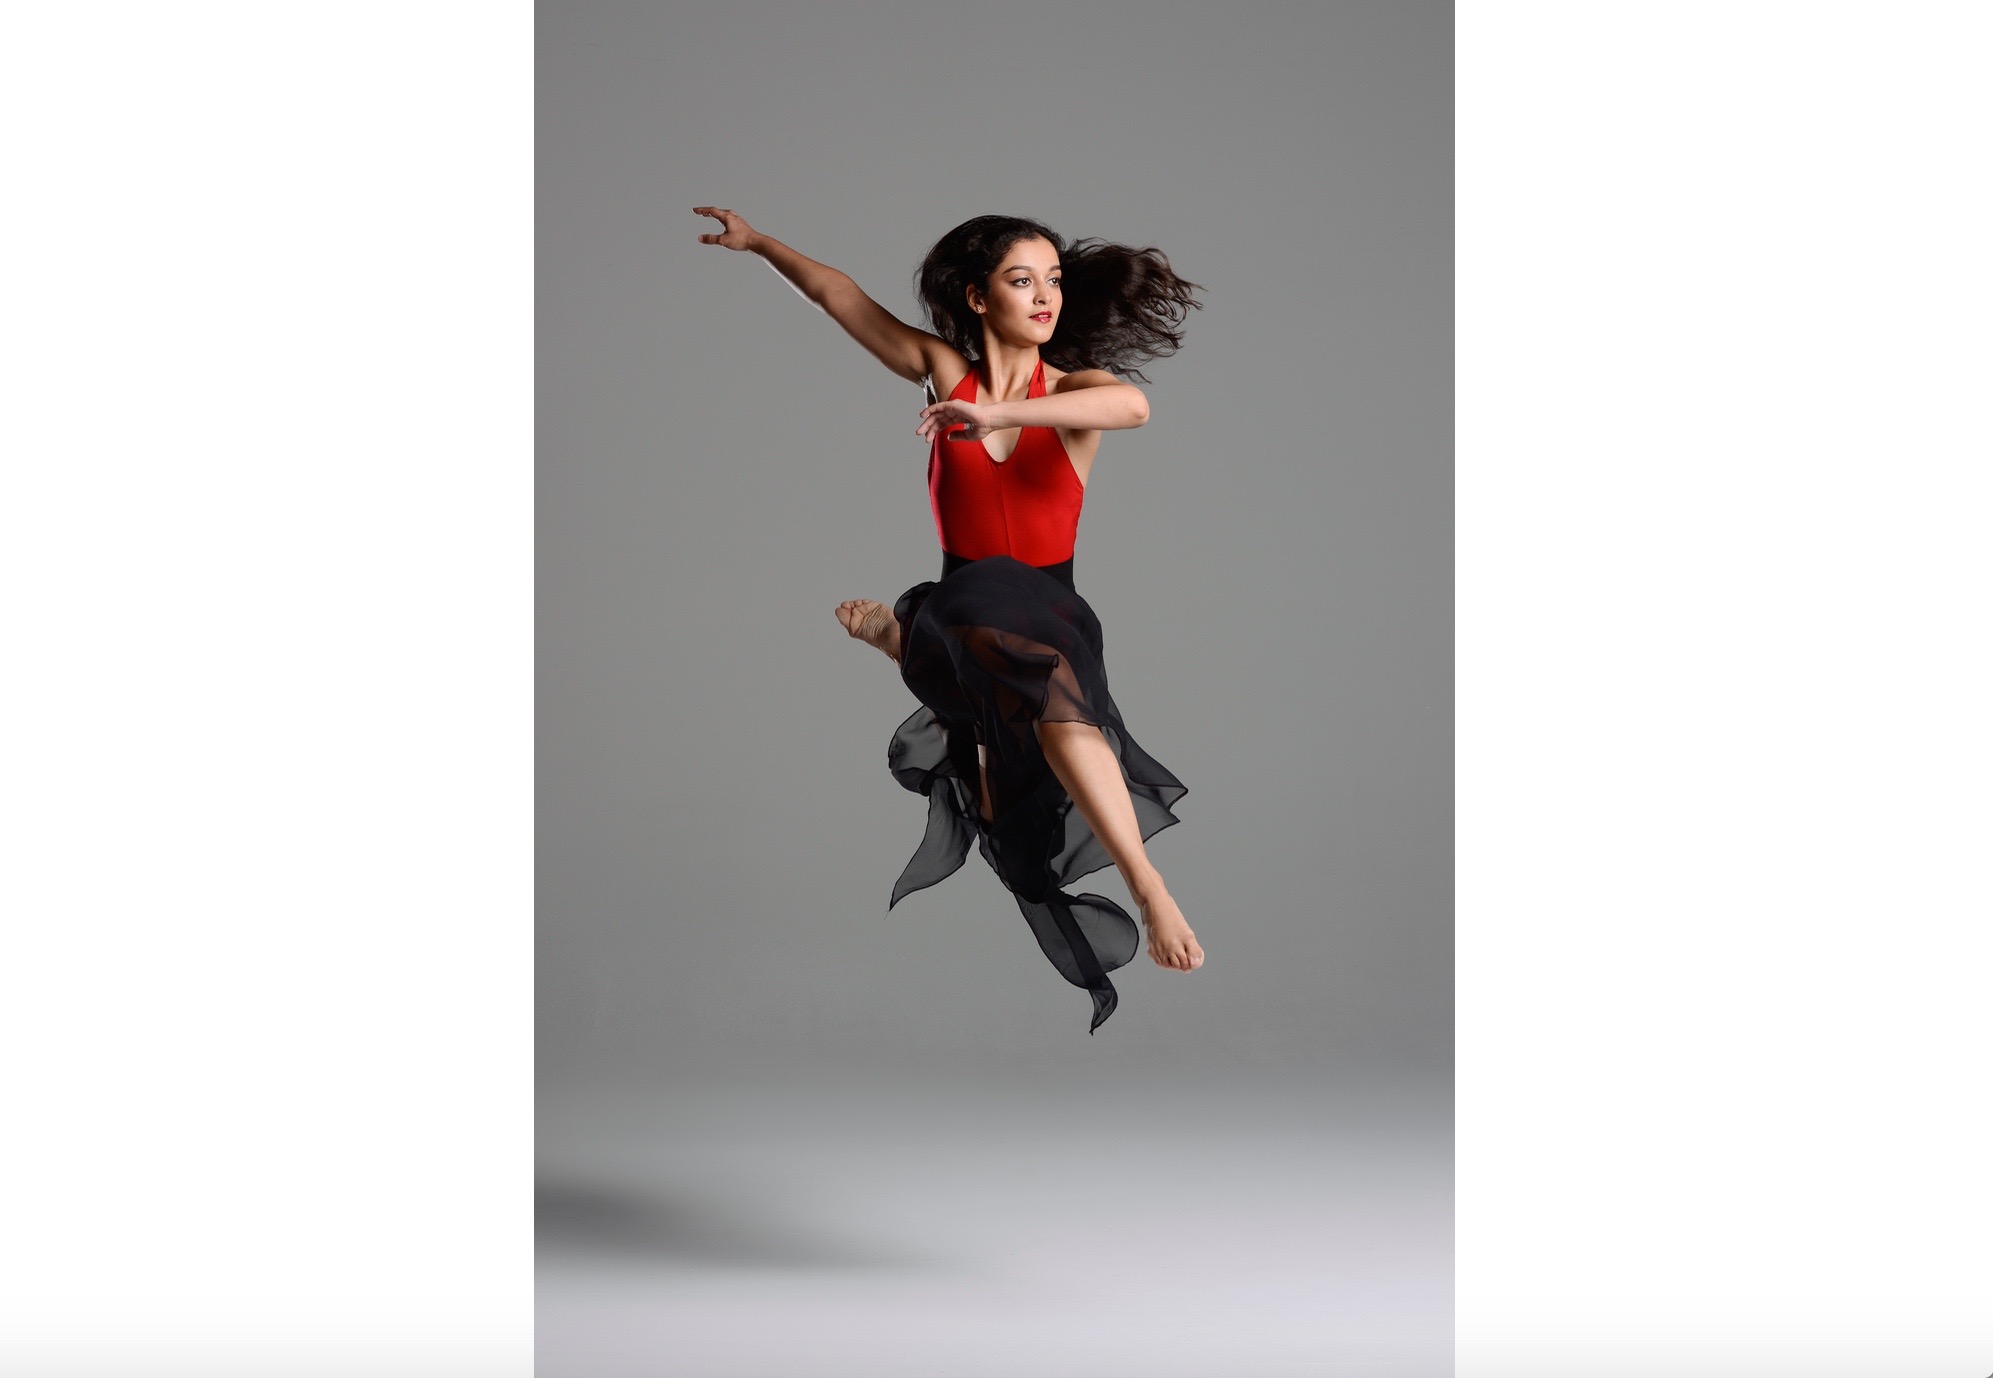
[(1146, 890)]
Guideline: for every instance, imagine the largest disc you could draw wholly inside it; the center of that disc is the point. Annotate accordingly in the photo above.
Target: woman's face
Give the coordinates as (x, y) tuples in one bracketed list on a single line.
[(1020, 301)]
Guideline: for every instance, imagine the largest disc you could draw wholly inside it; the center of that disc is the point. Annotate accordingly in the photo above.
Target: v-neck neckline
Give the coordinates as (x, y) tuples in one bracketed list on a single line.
[(1034, 388)]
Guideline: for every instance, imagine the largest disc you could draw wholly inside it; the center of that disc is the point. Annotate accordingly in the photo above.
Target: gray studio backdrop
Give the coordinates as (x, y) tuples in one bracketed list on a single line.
[(719, 465), (783, 1131)]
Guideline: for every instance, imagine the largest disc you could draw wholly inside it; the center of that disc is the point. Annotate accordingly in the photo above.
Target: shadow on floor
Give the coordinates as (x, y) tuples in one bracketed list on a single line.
[(608, 1223)]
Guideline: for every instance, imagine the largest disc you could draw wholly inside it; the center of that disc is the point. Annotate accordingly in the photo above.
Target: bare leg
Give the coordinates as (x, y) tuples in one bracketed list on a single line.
[(1085, 764), (873, 623)]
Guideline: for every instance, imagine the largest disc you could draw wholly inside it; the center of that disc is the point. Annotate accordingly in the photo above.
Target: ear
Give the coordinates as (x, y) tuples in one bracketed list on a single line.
[(975, 297)]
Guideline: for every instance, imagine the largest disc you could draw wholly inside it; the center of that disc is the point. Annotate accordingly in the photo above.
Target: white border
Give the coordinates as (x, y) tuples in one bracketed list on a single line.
[(1723, 690), (268, 791)]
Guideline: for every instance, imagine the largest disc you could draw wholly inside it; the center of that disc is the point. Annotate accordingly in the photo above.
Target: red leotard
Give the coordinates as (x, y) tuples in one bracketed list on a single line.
[(1026, 506)]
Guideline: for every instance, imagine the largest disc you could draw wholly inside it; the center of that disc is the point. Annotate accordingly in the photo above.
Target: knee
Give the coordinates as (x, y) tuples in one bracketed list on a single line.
[(1062, 732)]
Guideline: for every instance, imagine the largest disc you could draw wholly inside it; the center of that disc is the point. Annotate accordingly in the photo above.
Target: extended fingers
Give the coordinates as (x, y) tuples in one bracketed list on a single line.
[(721, 214)]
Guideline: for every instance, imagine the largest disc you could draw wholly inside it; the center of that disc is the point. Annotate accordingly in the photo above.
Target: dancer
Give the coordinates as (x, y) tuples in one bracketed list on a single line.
[(1017, 744)]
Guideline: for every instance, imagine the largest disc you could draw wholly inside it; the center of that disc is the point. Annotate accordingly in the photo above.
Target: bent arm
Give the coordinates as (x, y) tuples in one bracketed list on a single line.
[(1088, 400), (908, 352)]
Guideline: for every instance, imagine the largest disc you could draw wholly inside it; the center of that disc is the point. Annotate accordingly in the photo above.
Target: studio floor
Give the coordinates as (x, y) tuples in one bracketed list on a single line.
[(1021, 1227)]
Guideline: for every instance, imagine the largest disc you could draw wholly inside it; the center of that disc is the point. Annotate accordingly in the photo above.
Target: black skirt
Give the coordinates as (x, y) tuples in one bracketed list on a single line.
[(991, 649)]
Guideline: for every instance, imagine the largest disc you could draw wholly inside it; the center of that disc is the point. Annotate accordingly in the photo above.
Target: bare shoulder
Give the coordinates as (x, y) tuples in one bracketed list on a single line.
[(1055, 381), (1081, 447), (907, 350), (947, 366)]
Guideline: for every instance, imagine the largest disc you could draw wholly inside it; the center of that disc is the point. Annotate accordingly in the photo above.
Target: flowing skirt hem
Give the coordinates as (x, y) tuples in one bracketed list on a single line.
[(991, 651)]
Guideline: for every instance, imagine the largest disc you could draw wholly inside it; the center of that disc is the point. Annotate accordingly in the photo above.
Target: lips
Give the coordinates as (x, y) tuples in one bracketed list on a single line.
[(1042, 316)]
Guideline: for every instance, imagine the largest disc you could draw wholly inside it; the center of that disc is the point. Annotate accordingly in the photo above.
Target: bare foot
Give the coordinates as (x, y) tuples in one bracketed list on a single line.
[(1171, 942), (873, 623)]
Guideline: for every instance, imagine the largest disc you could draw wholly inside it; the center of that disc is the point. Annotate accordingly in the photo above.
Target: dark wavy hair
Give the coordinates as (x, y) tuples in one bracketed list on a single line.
[(1121, 307)]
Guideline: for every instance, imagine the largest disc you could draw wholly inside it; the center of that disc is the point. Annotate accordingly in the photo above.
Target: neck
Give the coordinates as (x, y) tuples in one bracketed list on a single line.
[(1007, 369)]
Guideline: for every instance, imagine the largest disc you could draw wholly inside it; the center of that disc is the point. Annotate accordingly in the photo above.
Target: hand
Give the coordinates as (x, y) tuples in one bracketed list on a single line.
[(737, 235), (951, 412)]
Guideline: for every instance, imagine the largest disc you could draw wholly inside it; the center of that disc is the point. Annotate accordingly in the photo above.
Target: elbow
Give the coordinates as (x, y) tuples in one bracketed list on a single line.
[(1138, 412), (828, 288)]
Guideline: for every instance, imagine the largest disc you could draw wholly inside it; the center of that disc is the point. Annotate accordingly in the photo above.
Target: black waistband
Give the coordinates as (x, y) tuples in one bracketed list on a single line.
[(1063, 571)]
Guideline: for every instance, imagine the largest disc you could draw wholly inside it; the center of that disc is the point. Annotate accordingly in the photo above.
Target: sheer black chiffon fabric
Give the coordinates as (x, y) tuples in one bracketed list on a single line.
[(991, 649)]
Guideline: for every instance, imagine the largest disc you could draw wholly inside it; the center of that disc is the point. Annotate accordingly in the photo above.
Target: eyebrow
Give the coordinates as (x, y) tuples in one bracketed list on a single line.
[(1025, 268)]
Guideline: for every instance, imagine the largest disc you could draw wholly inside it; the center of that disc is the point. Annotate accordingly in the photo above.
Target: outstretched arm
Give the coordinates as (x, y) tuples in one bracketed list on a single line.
[(908, 352)]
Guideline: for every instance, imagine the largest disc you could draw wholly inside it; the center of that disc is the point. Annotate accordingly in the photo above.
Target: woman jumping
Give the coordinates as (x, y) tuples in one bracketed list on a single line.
[(1018, 745)]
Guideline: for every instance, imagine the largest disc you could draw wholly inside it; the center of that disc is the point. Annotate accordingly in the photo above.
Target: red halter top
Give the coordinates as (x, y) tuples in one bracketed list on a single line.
[(1026, 506)]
